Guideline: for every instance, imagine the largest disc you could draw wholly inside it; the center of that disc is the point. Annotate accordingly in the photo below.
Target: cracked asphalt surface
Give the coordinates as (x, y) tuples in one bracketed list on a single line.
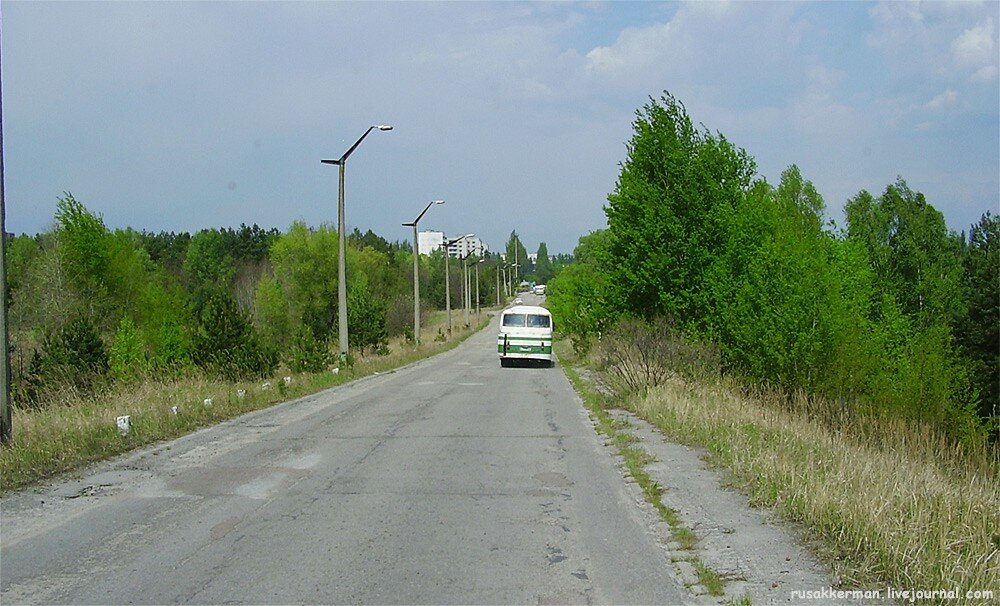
[(452, 480)]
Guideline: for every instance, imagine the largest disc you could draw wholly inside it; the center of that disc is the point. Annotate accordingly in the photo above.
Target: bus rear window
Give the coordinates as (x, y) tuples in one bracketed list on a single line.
[(527, 320), (514, 320), (538, 321)]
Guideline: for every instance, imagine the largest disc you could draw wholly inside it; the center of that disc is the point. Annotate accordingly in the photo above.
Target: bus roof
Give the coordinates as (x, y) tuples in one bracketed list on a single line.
[(527, 309)]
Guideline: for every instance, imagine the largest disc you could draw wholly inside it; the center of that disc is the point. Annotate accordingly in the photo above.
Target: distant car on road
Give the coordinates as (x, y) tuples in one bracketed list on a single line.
[(539, 289)]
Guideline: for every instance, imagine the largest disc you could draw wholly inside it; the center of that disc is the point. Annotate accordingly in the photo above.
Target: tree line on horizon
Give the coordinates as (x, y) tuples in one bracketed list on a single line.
[(892, 314), (91, 307)]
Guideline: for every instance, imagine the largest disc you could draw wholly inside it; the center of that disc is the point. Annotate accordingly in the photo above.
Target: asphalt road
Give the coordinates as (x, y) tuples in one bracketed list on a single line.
[(452, 480)]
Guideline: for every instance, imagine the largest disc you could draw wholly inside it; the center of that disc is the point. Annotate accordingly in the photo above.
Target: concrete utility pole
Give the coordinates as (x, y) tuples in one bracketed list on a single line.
[(341, 243), (516, 277), (447, 288), (466, 297), (6, 429), (416, 271), (447, 276), (467, 283), (477, 286)]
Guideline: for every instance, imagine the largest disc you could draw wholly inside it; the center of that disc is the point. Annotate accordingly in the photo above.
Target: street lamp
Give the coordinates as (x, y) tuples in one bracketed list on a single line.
[(341, 244), (477, 285), (6, 427), (416, 271), (466, 284), (447, 276), (503, 278)]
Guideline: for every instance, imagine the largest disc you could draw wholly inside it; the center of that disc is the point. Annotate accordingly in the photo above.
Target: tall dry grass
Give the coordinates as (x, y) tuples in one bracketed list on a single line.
[(896, 504), (80, 429)]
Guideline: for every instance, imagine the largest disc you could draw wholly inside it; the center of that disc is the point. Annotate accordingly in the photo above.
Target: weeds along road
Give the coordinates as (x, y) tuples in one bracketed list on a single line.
[(452, 480)]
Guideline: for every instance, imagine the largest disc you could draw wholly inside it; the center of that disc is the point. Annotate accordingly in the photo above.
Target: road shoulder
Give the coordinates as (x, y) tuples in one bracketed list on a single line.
[(760, 558)]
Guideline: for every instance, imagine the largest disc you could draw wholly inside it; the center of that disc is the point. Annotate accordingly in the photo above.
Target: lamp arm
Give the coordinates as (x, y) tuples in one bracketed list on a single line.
[(421, 216), (356, 144)]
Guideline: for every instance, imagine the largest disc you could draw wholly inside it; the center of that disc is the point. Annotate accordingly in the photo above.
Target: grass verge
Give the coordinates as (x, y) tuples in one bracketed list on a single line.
[(890, 504), (62, 438), (892, 514), (635, 461)]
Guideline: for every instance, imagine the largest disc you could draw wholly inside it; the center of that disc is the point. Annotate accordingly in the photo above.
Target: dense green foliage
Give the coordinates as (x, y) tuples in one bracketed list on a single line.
[(227, 345), (366, 315), (668, 215), (307, 353), (90, 305), (516, 253), (72, 356), (893, 315), (127, 358), (579, 296), (544, 269), (978, 334)]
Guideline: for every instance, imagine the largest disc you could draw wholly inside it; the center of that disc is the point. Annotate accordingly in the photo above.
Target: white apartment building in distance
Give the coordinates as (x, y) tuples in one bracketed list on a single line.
[(430, 240), (464, 246)]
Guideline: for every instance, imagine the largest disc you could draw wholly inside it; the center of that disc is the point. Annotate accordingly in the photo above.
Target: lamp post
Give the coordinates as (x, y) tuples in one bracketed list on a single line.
[(447, 276), (467, 298), (477, 287), (341, 244), (516, 281), (6, 427), (416, 271), (496, 270)]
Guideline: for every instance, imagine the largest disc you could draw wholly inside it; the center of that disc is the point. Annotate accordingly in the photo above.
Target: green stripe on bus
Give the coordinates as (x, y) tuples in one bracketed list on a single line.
[(519, 349)]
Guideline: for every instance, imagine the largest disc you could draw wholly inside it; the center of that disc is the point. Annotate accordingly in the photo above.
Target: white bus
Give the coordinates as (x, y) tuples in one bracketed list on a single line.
[(525, 334)]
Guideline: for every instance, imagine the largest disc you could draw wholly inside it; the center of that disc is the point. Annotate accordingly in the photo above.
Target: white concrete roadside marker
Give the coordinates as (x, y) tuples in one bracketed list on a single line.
[(208, 402), (266, 385), (241, 393), (336, 370), (173, 410), (124, 424), (288, 380)]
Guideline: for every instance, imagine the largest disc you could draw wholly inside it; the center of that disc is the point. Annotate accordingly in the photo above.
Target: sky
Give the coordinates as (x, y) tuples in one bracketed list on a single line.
[(179, 116)]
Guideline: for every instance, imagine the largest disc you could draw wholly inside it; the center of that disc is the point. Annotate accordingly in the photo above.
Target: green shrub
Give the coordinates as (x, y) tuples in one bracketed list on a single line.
[(72, 356), (173, 347), (366, 317), (308, 353), (128, 356), (637, 355), (226, 344)]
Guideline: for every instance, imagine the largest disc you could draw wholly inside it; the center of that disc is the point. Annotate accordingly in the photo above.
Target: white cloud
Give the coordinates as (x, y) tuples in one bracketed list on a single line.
[(975, 46), (635, 49), (895, 12), (985, 74), (706, 48), (821, 117), (945, 99), (825, 78), (715, 8), (477, 91)]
